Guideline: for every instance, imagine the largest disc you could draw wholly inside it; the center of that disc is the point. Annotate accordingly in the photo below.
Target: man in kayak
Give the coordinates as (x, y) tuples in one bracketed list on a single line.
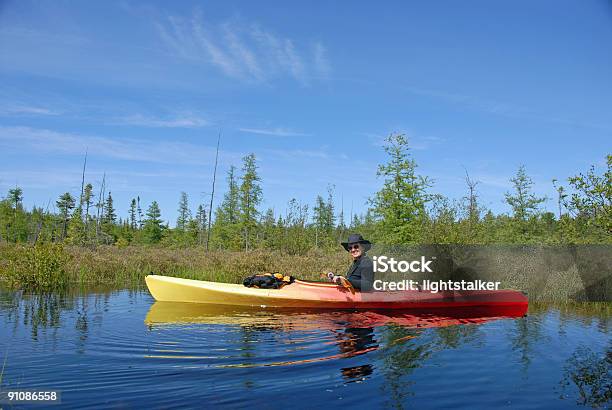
[(361, 272)]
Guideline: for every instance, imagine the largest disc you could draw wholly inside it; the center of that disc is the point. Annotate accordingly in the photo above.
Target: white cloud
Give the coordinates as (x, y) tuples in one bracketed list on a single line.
[(242, 50), (21, 139), (177, 122), (21, 109), (276, 132), (292, 154)]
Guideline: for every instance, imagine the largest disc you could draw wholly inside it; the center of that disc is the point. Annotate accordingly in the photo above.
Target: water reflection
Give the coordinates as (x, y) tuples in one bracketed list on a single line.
[(403, 354), (171, 313), (354, 333), (113, 344), (355, 341), (591, 375)]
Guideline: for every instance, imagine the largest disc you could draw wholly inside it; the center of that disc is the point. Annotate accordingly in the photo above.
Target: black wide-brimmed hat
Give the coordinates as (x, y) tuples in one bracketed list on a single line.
[(357, 238)]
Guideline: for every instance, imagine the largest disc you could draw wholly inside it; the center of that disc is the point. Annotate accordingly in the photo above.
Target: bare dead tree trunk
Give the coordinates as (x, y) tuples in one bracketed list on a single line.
[(472, 200), (212, 195), (100, 207), (83, 180)]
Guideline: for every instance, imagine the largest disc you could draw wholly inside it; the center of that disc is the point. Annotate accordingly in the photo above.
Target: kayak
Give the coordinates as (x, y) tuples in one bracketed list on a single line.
[(305, 294)]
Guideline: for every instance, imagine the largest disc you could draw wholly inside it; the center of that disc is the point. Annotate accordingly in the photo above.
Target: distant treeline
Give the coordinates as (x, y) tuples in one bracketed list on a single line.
[(403, 211)]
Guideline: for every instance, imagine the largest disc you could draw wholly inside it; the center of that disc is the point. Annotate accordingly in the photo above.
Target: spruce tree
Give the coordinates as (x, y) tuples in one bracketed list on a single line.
[(400, 204), (231, 198), (153, 226), (77, 234), (110, 217), (201, 219), (226, 228), (184, 214), (65, 204), (523, 201), (132, 214), (18, 226), (250, 198)]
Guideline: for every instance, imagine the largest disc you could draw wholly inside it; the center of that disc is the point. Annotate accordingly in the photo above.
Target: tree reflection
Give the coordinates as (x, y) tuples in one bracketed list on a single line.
[(591, 374), (401, 355), (453, 337), (526, 337)]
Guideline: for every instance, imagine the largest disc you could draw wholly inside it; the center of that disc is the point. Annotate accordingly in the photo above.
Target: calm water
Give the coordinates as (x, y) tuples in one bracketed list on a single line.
[(120, 349)]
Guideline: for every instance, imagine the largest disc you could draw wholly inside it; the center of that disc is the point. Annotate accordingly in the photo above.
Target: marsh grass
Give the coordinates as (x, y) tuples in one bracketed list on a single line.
[(41, 268), (53, 267)]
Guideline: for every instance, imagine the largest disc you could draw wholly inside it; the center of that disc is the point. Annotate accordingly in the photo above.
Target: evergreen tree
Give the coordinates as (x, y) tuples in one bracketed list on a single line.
[(201, 220), (226, 228), (109, 219), (18, 226), (153, 226), (250, 198), (324, 219), (400, 204), (319, 213), (523, 202), (355, 222), (16, 197), (231, 198), (132, 214), (319, 219), (184, 214), (296, 216), (268, 228), (77, 233), (65, 204), (6, 216)]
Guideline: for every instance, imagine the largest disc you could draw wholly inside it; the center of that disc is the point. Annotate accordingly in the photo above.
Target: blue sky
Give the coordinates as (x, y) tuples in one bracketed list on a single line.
[(310, 88)]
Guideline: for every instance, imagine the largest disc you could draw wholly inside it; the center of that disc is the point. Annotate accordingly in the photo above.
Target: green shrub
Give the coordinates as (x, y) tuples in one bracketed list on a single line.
[(39, 267)]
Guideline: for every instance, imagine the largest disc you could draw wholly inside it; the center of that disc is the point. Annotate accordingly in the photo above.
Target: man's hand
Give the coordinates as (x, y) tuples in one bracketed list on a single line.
[(337, 279)]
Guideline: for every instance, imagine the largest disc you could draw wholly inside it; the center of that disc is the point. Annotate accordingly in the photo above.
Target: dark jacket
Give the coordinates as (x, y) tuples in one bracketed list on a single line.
[(361, 274)]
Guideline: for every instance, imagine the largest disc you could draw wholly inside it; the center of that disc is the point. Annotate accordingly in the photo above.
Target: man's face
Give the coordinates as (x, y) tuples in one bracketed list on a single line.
[(355, 250)]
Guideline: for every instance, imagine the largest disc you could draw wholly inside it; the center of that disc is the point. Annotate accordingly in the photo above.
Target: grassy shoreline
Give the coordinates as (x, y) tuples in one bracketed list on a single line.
[(50, 265), (559, 274)]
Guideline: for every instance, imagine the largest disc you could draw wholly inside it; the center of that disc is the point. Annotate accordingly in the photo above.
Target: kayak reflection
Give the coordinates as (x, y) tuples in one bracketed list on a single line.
[(354, 333), (164, 313)]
